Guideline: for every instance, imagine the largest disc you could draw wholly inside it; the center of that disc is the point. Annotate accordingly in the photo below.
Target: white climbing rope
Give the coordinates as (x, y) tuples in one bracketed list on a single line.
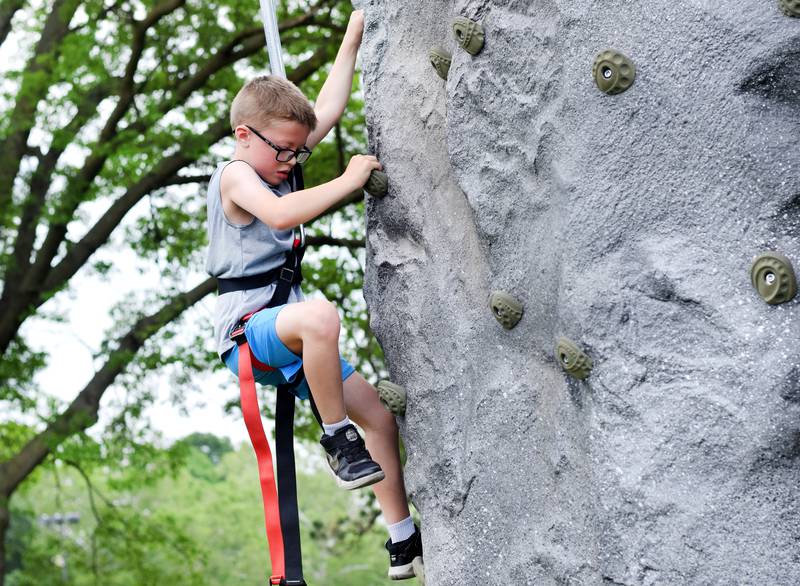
[(269, 17)]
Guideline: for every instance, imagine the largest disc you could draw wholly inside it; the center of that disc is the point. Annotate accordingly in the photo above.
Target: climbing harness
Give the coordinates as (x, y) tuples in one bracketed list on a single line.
[(280, 502)]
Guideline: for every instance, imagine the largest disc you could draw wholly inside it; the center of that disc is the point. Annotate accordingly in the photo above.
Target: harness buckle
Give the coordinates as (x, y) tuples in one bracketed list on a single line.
[(290, 272), (276, 580), (237, 331)]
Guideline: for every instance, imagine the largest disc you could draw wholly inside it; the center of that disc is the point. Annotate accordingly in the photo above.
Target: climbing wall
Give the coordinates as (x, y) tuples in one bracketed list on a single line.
[(615, 167)]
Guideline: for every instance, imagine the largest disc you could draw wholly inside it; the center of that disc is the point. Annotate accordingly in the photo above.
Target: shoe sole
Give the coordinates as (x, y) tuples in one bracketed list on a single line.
[(415, 568), (358, 482)]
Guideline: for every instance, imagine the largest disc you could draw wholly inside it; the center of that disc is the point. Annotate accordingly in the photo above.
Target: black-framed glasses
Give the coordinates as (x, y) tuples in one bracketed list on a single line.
[(283, 155)]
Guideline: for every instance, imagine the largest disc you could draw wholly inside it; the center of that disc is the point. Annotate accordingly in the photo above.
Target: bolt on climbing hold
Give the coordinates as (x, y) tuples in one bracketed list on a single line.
[(469, 34), (572, 359), (613, 72), (440, 59), (392, 396), (377, 184), (790, 7), (773, 277), (506, 309)]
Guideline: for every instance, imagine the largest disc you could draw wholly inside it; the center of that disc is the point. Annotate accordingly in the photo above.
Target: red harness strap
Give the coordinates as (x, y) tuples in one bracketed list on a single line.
[(266, 474)]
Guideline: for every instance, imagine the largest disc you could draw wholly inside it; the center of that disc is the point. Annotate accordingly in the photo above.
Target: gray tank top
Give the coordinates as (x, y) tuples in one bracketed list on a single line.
[(242, 250)]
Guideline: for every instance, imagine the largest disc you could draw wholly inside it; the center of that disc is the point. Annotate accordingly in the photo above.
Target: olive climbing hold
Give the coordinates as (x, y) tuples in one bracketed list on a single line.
[(505, 309), (469, 34), (572, 359), (613, 72), (377, 184), (440, 59), (392, 396), (791, 7), (773, 277)]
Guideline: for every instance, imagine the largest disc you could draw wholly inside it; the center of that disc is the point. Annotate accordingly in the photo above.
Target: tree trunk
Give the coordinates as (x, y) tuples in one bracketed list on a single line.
[(626, 223), (5, 517)]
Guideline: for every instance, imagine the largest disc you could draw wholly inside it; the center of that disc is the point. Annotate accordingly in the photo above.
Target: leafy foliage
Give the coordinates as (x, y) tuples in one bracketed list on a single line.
[(202, 525), (112, 115)]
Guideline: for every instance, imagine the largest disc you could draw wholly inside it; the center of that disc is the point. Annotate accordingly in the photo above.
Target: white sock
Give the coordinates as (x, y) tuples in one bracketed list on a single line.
[(332, 428), (401, 530)]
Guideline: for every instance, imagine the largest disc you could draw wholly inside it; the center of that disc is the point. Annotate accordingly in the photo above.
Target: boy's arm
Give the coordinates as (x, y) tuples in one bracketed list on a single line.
[(241, 184), (335, 91)]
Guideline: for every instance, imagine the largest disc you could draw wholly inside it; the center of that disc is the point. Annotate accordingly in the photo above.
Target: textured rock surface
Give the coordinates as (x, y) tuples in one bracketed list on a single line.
[(625, 223)]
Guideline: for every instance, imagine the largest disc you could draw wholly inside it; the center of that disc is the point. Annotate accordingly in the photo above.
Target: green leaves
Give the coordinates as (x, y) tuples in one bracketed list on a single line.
[(101, 112)]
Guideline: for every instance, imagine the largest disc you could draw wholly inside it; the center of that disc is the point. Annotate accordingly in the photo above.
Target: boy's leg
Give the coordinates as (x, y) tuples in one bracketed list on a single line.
[(405, 544), (311, 329), (381, 436)]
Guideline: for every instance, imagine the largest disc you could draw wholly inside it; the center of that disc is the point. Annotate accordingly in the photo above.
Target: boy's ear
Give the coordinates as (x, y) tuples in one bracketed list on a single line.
[(241, 133)]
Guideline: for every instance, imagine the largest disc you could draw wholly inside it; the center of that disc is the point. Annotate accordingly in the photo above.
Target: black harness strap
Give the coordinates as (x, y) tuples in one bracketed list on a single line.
[(286, 277)]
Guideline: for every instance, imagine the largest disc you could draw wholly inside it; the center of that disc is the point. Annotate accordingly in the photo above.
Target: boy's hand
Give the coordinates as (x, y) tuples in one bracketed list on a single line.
[(358, 170), (355, 28)]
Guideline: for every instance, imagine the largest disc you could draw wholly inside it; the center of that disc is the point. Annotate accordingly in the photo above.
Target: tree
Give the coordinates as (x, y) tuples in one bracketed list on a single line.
[(202, 525), (108, 132)]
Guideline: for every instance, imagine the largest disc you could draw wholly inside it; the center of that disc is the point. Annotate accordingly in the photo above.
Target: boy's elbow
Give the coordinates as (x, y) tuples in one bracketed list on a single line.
[(280, 221), (281, 224), (277, 217)]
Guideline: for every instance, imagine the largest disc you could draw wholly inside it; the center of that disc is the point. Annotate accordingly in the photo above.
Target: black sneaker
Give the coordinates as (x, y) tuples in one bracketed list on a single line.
[(405, 558), (349, 459)]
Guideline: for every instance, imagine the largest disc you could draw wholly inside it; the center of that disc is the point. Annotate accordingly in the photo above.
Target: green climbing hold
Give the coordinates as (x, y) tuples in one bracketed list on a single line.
[(392, 396), (469, 34), (773, 277), (613, 72), (791, 7), (377, 184), (440, 59), (572, 359), (506, 309)]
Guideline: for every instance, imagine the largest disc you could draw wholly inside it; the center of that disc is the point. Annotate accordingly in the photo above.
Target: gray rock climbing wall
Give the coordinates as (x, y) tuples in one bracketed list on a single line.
[(626, 223)]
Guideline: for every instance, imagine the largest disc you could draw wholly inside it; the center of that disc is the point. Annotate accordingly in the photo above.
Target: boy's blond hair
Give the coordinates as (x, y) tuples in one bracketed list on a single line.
[(268, 98)]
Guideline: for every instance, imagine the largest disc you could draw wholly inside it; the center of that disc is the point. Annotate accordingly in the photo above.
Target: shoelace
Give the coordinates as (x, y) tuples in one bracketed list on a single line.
[(355, 450)]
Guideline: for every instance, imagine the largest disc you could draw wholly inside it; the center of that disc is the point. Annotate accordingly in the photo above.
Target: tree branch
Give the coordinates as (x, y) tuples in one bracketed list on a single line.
[(41, 281), (57, 232), (330, 241), (82, 413), (186, 179), (39, 185), (8, 8), (167, 168), (32, 90)]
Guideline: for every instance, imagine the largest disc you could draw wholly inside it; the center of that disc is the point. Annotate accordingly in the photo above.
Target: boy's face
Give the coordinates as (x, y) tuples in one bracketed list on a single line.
[(283, 134)]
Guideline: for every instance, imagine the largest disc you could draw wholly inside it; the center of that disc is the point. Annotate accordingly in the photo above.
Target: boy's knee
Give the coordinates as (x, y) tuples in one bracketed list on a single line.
[(321, 320)]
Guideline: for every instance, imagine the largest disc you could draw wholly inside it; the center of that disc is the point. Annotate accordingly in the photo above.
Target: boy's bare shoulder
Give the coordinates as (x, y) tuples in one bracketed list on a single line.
[(234, 176)]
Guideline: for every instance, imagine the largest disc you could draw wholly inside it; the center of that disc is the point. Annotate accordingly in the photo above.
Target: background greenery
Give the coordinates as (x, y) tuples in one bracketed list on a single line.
[(112, 115), (201, 525)]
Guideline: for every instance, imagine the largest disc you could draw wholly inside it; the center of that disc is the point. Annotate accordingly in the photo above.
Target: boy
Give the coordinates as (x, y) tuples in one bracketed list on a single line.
[(252, 214)]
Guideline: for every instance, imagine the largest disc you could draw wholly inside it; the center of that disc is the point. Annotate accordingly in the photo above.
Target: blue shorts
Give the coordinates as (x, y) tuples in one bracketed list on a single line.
[(269, 349)]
